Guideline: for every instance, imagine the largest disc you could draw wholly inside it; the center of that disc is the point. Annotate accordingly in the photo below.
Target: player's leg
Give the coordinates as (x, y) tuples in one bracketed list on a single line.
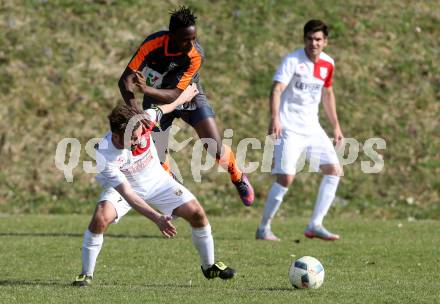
[(202, 239), (201, 230), (273, 202), (329, 166), (111, 208), (202, 119), (286, 155), (172, 198)]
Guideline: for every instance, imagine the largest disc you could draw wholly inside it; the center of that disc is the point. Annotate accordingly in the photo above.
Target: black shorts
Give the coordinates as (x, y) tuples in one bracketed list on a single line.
[(197, 110)]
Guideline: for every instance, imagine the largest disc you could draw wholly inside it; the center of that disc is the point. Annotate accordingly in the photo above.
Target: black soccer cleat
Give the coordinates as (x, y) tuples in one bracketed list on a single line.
[(219, 270), (82, 281)]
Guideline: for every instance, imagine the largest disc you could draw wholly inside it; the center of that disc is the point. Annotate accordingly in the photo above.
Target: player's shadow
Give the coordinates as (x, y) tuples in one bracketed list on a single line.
[(29, 283), (275, 289), (13, 282), (79, 235)]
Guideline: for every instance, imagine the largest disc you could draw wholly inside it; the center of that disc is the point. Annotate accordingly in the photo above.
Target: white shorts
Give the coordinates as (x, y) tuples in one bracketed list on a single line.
[(165, 195), (292, 151)]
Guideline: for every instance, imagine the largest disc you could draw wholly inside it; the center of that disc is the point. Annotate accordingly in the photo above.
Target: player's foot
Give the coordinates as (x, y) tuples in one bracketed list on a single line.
[(219, 270), (245, 190), (265, 235), (321, 233), (83, 280)]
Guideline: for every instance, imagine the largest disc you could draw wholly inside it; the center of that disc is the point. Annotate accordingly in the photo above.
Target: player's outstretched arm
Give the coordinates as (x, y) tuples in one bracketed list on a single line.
[(187, 95), (131, 81), (138, 204)]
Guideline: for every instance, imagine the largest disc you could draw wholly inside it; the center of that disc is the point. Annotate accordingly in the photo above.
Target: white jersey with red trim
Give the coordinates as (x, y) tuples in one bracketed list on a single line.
[(304, 82), (140, 167)]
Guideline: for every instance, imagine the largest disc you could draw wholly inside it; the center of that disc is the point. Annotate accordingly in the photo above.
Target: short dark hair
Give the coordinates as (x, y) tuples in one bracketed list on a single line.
[(121, 115), (182, 17), (314, 26)]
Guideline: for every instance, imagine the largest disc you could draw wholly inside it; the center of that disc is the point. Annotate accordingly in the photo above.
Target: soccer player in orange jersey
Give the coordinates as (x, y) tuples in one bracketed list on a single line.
[(162, 67)]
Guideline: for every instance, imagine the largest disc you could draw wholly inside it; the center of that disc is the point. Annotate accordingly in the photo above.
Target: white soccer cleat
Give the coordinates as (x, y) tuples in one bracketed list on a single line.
[(321, 233)]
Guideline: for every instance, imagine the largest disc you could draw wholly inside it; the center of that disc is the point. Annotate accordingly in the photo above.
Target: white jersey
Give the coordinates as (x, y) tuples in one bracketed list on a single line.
[(304, 82), (140, 167)]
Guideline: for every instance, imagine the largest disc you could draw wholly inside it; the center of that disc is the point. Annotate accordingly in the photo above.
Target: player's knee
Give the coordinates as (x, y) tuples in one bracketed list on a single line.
[(285, 180), (198, 217), (333, 170), (102, 218)]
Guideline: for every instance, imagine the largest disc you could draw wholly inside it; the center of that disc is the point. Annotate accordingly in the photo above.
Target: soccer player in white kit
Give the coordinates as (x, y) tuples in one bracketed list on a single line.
[(303, 79), (132, 177)]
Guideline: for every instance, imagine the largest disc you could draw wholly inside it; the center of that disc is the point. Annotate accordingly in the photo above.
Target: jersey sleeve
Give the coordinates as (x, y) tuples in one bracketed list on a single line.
[(146, 48), (194, 67), (112, 175), (329, 79), (285, 71), (109, 163)]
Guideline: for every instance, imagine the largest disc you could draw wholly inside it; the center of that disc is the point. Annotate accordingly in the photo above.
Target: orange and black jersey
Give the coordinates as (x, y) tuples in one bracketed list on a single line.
[(165, 70)]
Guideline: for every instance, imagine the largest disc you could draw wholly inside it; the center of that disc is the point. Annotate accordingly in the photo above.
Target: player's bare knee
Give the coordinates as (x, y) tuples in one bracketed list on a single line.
[(334, 170), (103, 217), (285, 180), (198, 217)]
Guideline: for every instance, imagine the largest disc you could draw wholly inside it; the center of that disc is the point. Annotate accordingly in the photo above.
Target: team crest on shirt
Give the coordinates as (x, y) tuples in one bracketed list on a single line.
[(178, 192), (323, 72)]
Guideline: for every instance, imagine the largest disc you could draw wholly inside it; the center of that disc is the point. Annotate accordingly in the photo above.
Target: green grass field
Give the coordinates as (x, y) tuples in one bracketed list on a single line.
[(375, 262), (60, 62)]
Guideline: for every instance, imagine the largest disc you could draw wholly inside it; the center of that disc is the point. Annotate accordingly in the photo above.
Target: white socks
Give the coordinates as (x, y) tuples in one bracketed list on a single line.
[(204, 243), (92, 243), (326, 194), (273, 202), (91, 247)]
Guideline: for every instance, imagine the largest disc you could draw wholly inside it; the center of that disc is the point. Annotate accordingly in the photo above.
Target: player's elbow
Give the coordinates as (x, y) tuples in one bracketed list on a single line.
[(122, 83), (124, 80)]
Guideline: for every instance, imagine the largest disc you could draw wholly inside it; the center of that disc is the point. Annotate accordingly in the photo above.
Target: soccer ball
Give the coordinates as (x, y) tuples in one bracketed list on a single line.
[(306, 272)]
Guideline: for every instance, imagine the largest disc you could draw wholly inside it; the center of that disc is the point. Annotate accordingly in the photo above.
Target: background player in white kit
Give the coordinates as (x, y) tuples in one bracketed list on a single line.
[(302, 79), (131, 176)]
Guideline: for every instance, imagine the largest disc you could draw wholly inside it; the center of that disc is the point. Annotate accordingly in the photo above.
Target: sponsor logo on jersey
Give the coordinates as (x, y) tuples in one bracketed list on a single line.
[(152, 77), (310, 87), (137, 164)]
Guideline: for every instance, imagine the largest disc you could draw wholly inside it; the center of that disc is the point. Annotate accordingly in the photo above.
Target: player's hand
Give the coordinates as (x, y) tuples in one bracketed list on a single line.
[(165, 226), (338, 137), (188, 94), (131, 83), (274, 128), (140, 81)]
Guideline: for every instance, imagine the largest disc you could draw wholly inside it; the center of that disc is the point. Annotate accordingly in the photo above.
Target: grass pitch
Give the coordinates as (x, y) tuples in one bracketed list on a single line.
[(375, 262)]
